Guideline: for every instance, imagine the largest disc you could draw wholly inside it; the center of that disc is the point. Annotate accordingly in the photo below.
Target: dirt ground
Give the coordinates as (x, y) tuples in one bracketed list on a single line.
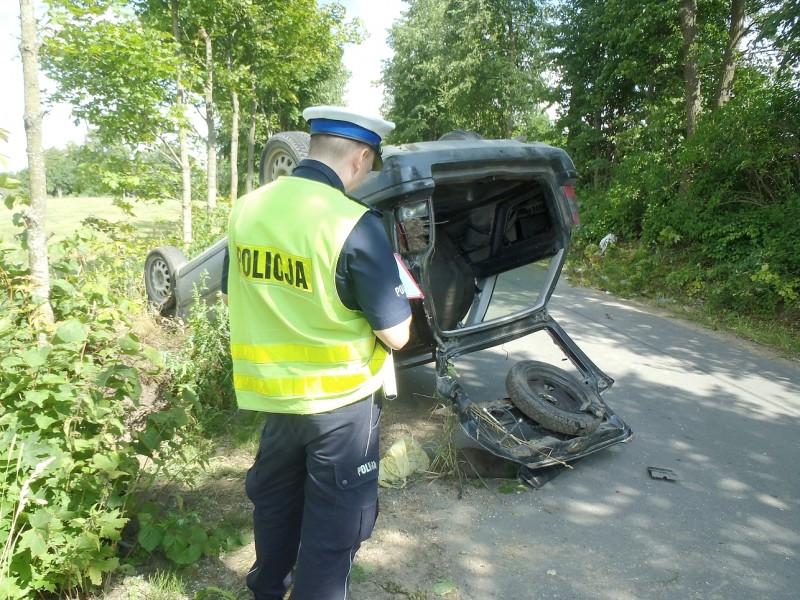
[(411, 553)]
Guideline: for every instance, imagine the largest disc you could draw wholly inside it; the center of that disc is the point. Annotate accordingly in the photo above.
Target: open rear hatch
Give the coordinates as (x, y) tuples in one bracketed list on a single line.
[(484, 227)]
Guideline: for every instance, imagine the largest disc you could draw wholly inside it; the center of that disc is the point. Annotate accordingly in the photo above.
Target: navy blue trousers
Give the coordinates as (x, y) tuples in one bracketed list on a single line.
[(314, 488)]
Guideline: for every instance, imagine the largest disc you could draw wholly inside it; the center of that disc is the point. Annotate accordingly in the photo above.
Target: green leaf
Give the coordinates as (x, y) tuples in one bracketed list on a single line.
[(44, 421), (5, 325), (149, 537), (33, 540), (38, 398), (444, 587), (99, 566), (63, 285), (8, 584), (198, 535), (129, 344), (105, 462), (111, 525), (71, 331), (154, 356), (39, 519), (185, 555), (151, 439), (36, 357)]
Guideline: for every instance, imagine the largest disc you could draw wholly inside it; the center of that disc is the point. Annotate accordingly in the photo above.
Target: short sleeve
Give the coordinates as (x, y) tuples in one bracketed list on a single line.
[(367, 277)]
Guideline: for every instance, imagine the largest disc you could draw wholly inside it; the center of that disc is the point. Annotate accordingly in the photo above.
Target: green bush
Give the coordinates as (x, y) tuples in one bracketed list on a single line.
[(744, 212), (715, 222), (73, 459), (203, 362)]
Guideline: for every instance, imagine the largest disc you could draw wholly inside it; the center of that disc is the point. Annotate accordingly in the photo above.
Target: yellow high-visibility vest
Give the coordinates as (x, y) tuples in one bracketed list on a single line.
[(296, 348)]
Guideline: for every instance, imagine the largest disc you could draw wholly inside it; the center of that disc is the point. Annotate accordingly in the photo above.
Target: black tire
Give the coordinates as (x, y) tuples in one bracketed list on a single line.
[(281, 154), (461, 134), (551, 397), (160, 270)]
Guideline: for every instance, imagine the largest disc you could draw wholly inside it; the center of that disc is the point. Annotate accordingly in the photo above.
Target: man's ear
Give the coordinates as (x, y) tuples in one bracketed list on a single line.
[(360, 157)]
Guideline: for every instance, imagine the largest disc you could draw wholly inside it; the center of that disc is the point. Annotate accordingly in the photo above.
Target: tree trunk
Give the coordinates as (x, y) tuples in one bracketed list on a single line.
[(211, 138), (183, 143), (598, 154), (251, 144), (509, 100), (34, 217), (691, 75), (234, 146), (735, 33)]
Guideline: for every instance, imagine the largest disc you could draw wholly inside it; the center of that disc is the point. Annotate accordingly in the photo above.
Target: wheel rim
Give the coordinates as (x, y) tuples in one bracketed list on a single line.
[(280, 163), (160, 280)]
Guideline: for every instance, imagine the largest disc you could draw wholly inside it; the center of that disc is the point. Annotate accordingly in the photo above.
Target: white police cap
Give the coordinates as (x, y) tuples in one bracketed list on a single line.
[(343, 122)]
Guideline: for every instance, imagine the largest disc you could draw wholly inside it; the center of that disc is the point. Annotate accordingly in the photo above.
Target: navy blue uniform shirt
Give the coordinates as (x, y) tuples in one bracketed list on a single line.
[(366, 272)]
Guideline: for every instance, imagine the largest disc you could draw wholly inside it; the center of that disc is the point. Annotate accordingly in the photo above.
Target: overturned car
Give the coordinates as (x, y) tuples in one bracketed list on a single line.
[(483, 227)]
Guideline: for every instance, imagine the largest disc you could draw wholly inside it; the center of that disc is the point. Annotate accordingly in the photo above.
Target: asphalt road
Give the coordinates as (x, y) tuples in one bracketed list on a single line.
[(721, 414)]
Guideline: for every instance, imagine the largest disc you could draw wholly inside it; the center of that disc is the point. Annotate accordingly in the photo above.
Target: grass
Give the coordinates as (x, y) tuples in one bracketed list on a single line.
[(65, 215)]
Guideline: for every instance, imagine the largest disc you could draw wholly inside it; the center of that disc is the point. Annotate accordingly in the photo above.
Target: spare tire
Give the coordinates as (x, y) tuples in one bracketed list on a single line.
[(281, 154), (551, 397)]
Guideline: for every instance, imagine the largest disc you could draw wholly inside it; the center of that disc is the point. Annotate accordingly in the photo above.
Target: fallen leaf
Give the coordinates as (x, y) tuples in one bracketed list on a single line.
[(444, 587)]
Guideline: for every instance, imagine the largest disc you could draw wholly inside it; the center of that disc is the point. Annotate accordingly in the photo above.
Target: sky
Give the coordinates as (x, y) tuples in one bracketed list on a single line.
[(58, 128)]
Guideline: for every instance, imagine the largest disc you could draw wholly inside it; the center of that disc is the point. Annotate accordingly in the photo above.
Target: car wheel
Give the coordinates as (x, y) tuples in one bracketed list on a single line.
[(551, 397), (282, 153), (461, 134), (160, 270)]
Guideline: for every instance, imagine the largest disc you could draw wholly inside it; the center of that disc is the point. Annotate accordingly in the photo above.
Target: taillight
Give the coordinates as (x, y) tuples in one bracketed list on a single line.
[(412, 222), (572, 204)]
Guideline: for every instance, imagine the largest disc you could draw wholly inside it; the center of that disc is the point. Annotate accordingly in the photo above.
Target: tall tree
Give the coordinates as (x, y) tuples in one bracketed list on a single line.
[(736, 31), (465, 65), (123, 78), (691, 69), (278, 52), (35, 217), (61, 170), (183, 143), (779, 23), (616, 64), (211, 121)]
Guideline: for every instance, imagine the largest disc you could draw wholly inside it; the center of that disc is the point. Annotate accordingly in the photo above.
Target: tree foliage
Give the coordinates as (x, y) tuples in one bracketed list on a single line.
[(117, 75), (124, 65), (465, 65), (780, 23), (676, 114)]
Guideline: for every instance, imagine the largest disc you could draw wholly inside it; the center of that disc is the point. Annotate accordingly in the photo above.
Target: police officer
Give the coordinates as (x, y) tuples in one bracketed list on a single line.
[(315, 305)]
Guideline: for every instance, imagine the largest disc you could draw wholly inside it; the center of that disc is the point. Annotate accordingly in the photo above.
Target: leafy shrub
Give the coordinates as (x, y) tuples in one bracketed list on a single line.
[(71, 461), (203, 362), (728, 237), (208, 227), (744, 211)]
